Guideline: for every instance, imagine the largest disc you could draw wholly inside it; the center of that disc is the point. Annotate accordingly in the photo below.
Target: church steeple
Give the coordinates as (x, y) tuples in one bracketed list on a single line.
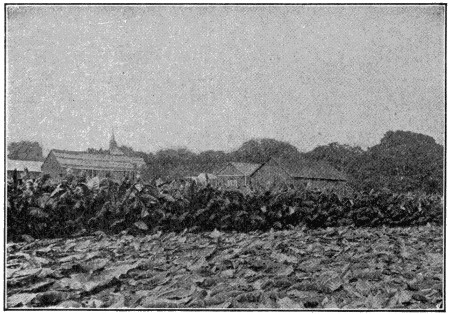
[(112, 141), (113, 147)]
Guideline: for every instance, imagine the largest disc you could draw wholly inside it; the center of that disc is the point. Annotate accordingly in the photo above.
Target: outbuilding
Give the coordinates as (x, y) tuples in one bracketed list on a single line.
[(236, 174), (299, 172), (118, 166), (34, 167), (113, 162)]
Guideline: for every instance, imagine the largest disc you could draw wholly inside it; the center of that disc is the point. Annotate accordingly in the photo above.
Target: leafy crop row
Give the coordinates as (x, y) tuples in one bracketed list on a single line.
[(46, 210)]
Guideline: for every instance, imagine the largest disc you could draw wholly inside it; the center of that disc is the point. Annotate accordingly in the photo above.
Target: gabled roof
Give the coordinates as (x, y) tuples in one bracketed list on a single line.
[(106, 162), (311, 169), (247, 169), (20, 165)]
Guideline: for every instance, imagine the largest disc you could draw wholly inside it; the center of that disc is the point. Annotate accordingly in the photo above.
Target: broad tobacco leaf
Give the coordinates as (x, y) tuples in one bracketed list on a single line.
[(333, 268)]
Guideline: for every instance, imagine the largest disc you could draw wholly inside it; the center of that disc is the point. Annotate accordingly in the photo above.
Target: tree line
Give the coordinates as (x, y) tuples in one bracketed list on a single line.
[(403, 161)]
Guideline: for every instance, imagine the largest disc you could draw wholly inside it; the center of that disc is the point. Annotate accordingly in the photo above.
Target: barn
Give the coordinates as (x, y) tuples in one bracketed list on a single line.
[(300, 172), (58, 161), (114, 162), (236, 174)]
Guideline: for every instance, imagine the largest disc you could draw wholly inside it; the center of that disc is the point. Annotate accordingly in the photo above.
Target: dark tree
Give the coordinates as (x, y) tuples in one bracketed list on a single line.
[(25, 150), (260, 150), (211, 161), (403, 162), (338, 155)]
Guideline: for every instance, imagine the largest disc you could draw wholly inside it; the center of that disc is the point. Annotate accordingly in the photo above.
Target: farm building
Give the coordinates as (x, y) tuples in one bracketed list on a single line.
[(34, 167), (276, 172), (236, 174), (115, 163), (299, 172)]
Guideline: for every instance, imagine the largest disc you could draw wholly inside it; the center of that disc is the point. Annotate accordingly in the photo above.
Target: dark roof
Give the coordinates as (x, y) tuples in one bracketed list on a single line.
[(106, 162), (247, 169), (311, 169)]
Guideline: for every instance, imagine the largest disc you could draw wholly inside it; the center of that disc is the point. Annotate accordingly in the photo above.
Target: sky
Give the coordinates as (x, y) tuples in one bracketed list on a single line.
[(212, 77)]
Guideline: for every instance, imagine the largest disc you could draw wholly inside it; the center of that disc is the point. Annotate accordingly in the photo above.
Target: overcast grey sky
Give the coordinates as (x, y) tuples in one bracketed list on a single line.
[(211, 77)]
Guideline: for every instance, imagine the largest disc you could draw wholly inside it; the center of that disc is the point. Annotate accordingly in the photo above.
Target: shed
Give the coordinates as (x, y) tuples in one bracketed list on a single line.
[(118, 166), (34, 167), (299, 172), (236, 174)]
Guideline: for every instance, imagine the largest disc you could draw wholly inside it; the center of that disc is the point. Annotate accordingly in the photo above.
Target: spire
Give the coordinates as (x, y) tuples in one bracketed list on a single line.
[(113, 139), (113, 147)]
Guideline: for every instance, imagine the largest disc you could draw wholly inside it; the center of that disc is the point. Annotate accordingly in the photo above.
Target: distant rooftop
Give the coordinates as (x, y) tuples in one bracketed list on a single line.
[(20, 165), (106, 162), (307, 168), (245, 168)]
